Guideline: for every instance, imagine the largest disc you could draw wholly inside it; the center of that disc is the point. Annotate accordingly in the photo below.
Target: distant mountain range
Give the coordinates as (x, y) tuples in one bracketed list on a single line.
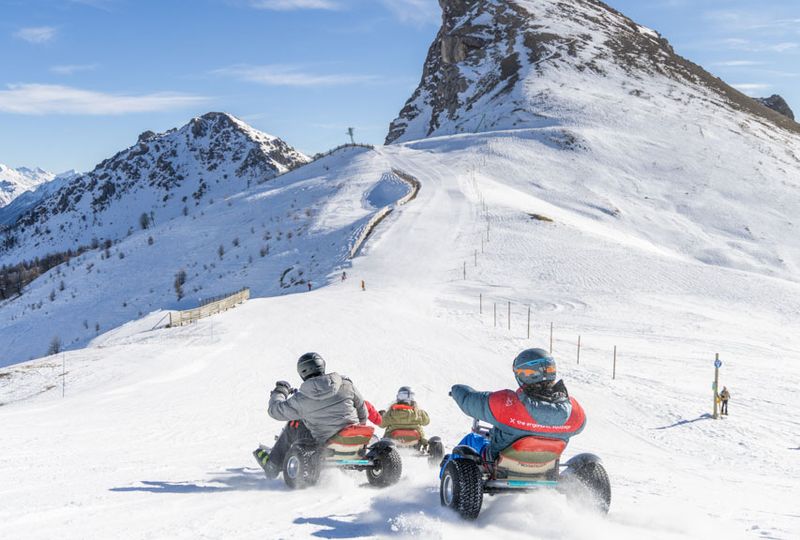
[(15, 182)]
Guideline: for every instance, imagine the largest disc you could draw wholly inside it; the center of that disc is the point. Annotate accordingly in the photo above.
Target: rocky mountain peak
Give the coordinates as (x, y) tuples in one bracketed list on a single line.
[(504, 64), (165, 174), (778, 104)]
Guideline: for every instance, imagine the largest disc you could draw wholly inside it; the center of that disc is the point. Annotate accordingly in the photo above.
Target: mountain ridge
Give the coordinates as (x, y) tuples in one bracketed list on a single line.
[(162, 176), (491, 56)]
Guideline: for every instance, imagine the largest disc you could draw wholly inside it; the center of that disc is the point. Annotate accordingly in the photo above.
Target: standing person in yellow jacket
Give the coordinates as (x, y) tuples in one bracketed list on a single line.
[(724, 396), (405, 415)]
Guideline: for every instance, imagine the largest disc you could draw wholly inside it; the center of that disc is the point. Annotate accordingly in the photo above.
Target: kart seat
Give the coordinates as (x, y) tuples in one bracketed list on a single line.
[(530, 456), (350, 440), (404, 437)]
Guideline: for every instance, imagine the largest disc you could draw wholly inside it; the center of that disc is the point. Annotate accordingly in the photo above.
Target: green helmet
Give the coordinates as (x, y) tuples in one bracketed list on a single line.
[(534, 366)]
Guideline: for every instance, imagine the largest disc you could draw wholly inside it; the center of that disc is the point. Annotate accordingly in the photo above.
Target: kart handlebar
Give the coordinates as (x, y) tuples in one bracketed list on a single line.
[(480, 429)]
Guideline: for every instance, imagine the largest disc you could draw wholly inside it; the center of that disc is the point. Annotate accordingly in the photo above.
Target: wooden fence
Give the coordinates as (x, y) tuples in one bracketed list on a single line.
[(209, 308)]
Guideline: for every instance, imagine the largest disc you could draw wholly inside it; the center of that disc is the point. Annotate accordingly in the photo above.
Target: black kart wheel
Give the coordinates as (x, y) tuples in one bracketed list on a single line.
[(593, 483), (387, 469), (461, 488), (300, 468), (435, 453)]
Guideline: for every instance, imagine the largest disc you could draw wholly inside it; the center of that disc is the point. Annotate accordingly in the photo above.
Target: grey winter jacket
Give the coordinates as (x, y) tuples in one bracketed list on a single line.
[(552, 419), (325, 404)]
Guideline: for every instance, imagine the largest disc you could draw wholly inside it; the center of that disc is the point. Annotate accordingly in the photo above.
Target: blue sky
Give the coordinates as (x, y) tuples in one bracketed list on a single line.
[(80, 79)]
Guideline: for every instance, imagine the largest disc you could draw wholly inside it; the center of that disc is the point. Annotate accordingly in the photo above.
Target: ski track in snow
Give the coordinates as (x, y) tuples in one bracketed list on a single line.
[(153, 438)]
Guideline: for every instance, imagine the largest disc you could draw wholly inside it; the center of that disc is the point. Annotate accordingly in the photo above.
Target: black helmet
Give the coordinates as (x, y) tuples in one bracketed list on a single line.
[(310, 365), (534, 366)]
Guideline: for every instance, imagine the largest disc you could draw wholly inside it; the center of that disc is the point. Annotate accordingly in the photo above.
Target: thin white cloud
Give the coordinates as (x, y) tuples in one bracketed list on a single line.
[(290, 5), (39, 99), (747, 45), (739, 63), (752, 88), (36, 34), (283, 75), (415, 11), (71, 69), (104, 5)]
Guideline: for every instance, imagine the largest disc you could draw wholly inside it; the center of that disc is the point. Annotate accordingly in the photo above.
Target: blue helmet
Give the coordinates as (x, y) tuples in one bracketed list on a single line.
[(533, 366)]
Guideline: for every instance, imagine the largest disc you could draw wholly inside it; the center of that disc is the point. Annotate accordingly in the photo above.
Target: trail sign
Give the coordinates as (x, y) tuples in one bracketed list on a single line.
[(717, 363)]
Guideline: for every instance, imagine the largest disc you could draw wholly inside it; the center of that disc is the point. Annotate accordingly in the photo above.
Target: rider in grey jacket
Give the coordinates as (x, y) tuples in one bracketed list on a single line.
[(325, 404), (322, 406)]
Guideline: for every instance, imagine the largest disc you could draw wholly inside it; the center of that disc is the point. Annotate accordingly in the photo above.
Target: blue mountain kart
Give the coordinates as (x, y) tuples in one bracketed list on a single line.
[(530, 463)]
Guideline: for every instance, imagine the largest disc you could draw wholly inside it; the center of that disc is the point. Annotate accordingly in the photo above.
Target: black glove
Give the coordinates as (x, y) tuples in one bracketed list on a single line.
[(560, 388), (283, 387)]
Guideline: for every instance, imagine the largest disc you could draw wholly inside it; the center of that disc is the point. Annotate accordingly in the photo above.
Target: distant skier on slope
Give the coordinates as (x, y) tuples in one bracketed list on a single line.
[(318, 410), (405, 414), (540, 406), (724, 396)]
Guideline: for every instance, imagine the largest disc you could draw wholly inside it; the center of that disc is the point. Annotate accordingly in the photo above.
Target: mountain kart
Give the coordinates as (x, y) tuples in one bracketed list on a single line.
[(529, 464), (350, 449), (410, 439)]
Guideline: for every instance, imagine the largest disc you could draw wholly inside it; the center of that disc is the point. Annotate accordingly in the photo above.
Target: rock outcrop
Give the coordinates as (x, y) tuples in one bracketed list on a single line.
[(777, 104)]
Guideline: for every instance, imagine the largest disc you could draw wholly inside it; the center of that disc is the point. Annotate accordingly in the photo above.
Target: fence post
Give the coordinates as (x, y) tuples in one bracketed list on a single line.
[(551, 338), (716, 386), (495, 314), (465, 270), (614, 372), (529, 322), (476, 257), (509, 314), (579, 349)]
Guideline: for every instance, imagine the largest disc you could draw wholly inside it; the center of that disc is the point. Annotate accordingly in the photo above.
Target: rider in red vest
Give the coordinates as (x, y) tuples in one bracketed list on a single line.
[(540, 406)]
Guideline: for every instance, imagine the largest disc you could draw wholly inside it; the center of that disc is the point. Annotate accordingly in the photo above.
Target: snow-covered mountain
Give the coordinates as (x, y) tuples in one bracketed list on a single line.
[(28, 199), (15, 182), (275, 237), (603, 118), (161, 177), (503, 64)]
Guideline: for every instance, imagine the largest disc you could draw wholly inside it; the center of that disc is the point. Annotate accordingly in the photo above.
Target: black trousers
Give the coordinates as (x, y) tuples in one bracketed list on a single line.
[(724, 407), (295, 430)]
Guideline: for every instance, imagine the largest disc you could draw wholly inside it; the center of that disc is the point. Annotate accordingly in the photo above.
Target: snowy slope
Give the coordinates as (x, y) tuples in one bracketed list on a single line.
[(15, 182), (153, 438), (273, 238), (604, 118)]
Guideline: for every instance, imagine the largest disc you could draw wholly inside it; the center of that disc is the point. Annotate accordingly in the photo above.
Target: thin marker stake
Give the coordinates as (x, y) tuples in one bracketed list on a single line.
[(529, 322), (614, 373)]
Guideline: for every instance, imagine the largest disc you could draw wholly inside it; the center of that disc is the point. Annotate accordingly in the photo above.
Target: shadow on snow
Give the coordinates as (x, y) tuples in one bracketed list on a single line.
[(685, 422), (238, 479)]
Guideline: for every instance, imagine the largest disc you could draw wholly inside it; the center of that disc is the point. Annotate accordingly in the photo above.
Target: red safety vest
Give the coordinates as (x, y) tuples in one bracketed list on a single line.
[(510, 411)]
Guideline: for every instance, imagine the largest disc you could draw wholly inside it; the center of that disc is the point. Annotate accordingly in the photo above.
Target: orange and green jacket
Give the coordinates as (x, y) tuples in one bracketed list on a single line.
[(405, 416)]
